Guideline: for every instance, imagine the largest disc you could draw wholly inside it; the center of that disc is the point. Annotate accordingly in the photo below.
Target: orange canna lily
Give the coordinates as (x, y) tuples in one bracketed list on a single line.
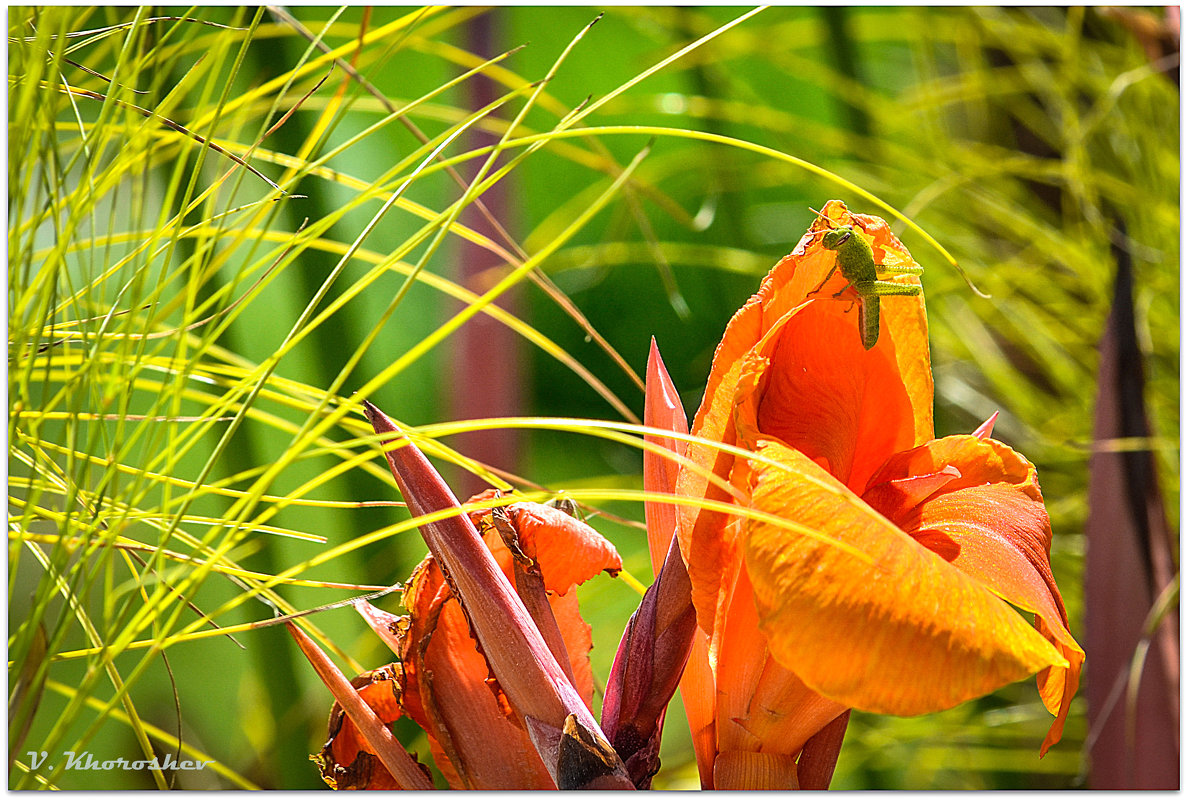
[(869, 565)]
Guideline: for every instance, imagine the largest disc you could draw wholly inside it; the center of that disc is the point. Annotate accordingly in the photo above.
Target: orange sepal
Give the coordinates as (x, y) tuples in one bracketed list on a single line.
[(902, 614)]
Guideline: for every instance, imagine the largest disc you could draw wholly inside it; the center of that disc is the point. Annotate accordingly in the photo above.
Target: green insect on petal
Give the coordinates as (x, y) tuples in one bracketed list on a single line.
[(855, 259)]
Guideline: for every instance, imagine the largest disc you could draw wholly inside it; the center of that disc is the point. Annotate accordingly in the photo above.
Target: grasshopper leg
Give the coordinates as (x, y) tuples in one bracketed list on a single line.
[(867, 288), (900, 269), (824, 280)]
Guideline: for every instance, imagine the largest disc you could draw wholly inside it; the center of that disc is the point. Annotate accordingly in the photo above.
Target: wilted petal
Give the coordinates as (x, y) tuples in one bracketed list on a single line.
[(577, 636), (575, 633), (904, 614), (347, 761), (475, 738), (569, 551), (390, 628), (473, 733), (402, 769)]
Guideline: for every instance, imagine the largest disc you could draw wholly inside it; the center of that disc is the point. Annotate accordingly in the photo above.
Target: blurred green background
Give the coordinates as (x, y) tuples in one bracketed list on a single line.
[(1031, 143)]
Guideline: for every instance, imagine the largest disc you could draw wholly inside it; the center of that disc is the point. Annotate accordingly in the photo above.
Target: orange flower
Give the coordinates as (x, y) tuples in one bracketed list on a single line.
[(494, 657), (870, 563)]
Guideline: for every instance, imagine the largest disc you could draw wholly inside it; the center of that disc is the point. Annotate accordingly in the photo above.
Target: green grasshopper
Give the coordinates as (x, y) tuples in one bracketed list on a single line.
[(855, 258)]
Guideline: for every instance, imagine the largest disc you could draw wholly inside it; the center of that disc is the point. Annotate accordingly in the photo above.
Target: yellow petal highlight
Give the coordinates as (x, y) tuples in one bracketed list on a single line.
[(909, 635)]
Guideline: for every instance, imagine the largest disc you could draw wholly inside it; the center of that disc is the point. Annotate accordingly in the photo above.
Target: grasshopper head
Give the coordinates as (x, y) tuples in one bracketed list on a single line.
[(835, 238)]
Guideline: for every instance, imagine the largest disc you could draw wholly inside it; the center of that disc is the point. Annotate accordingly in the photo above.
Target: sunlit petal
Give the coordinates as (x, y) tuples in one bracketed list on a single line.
[(810, 383), (864, 635), (993, 526), (903, 349)]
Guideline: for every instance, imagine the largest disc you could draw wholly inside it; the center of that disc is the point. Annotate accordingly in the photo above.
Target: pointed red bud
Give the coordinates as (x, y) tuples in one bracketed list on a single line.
[(648, 667)]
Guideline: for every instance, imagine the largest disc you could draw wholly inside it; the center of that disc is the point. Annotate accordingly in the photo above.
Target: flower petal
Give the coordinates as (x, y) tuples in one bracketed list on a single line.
[(569, 551), (762, 705), (863, 634), (996, 530), (578, 639), (811, 384), (987, 428), (662, 409)]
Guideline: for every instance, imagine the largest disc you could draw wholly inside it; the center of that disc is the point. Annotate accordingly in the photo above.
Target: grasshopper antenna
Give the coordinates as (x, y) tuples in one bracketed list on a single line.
[(823, 217)]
